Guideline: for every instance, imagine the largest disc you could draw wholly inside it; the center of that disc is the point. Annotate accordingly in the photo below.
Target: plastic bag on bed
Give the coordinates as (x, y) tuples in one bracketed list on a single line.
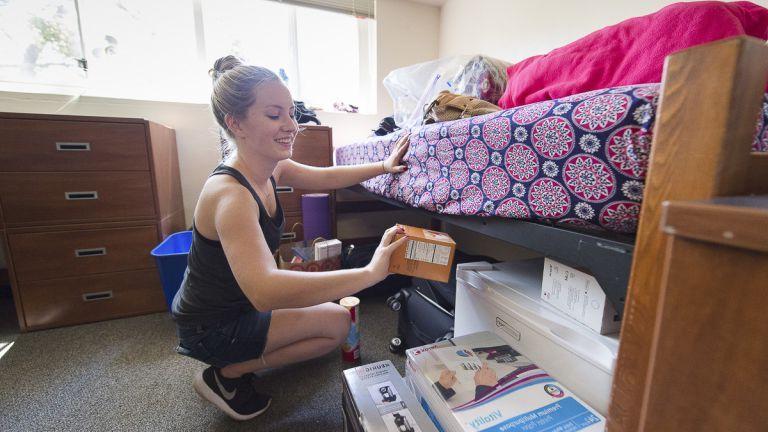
[(412, 88), (482, 77)]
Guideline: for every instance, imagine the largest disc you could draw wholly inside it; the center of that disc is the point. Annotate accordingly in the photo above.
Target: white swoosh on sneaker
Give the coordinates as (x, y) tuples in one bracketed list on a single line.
[(227, 394)]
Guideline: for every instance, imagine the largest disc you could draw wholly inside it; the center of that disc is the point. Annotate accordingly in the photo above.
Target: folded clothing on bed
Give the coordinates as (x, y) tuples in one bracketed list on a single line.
[(579, 160), (630, 52)]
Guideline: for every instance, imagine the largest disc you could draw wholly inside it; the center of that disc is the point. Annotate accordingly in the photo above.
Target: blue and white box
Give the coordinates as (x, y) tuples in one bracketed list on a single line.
[(478, 383)]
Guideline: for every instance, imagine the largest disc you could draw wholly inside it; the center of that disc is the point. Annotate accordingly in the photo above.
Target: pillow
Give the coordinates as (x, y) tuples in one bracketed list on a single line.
[(631, 52)]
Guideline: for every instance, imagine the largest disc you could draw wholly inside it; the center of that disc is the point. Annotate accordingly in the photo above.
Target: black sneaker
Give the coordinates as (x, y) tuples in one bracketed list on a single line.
[(236, 397)]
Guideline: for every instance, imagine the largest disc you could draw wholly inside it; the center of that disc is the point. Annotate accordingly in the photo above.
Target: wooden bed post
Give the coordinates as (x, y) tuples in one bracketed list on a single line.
[(710, 98), (758, 173)]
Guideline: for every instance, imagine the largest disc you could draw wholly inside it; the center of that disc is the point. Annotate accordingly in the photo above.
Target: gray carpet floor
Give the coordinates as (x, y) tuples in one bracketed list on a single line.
[(123, 375)]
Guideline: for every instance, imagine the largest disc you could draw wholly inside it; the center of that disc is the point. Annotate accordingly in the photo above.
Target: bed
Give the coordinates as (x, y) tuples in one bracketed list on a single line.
[(578, 161), (697, 144)]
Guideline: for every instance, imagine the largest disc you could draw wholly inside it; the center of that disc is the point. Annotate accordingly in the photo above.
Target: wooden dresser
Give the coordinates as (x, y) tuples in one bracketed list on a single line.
[(83, 200), (313, 146)]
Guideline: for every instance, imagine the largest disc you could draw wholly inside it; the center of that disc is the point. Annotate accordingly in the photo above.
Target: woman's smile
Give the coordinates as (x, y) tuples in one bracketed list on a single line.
[(286, 142)]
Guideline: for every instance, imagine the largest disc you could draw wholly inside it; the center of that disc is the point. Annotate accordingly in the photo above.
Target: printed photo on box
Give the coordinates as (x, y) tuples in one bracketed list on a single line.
[(479, 383), (383, 393), (376, 399)]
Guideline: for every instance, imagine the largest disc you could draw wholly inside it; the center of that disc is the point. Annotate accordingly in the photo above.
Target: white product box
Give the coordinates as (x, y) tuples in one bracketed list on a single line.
[(477, 382), (327, 249), (579, 295), (376, 399), (506, 298)]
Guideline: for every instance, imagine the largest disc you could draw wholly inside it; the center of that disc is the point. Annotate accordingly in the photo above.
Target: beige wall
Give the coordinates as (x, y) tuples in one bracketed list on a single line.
[(513, 30), (407, 33), (196, 133)]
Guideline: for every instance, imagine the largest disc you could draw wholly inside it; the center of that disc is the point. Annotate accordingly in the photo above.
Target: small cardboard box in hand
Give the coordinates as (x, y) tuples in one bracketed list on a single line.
[(426, 254)]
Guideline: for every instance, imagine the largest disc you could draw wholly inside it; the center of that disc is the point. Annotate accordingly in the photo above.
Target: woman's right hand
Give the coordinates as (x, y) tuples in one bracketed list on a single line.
[(379, 265)]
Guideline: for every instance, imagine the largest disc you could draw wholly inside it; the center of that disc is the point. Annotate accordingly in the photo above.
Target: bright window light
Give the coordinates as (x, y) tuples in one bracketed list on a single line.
[(142, 49), (328, 75), (258, 31), (162, 50), (40, 42)]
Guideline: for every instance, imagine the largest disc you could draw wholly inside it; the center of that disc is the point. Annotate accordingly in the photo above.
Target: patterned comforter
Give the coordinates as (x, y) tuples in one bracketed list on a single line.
[(575, 161)]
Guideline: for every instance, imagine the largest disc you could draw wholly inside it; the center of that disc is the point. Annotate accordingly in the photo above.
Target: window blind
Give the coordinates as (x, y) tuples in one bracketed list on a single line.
[(359, 8)]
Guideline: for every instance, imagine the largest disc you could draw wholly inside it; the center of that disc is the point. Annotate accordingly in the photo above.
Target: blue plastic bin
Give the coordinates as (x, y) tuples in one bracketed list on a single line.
[(171, 256)]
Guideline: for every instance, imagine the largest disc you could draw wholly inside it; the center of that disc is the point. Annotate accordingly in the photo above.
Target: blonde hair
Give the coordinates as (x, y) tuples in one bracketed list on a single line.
[(233, 93)]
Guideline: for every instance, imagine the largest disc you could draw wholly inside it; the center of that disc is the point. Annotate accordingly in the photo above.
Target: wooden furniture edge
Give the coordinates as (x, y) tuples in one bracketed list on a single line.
[(727, 222), (163, 156), (14, 283), (757, 177), (64, 117), (704, 129)]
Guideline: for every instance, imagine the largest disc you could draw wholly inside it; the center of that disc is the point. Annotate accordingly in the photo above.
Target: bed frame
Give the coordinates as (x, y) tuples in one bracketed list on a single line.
[(705, 124)]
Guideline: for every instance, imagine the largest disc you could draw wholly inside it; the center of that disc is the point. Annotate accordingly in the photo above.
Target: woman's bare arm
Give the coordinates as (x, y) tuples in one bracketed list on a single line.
[(266, 286), (302, 176)]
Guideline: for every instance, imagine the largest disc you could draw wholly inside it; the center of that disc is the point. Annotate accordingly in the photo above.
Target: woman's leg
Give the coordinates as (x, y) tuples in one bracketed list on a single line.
[(295, 335)]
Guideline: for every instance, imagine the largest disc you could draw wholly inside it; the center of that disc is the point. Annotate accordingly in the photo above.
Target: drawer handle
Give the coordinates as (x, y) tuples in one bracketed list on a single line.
[(79, 196), (288, 236), (104, 295), (73, 146), (284, 189), (80, 253)]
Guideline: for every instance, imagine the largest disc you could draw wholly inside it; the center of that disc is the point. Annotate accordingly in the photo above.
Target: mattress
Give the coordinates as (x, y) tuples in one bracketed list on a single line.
[(577, 161)]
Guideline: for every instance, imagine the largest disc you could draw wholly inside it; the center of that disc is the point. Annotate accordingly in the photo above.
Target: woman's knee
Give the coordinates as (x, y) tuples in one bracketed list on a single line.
[(338, 319)]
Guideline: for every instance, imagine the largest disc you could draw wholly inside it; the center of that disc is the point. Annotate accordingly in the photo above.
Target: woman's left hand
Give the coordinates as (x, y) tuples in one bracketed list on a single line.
[(394, 163)]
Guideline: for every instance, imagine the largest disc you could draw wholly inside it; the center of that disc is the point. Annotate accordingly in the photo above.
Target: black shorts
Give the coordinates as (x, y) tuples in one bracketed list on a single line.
[(227, 342)]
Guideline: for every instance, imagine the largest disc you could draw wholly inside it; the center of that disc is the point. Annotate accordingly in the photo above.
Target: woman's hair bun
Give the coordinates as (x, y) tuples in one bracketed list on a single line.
[(224, 64)]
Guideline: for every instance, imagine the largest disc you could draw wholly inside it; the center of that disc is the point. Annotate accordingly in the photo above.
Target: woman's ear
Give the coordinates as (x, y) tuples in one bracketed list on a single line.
[(233, 125)]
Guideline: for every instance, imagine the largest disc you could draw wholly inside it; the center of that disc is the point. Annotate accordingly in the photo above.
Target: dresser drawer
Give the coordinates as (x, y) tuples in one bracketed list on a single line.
[(312, 147), (290, 198), (293, 231), (50, 255), (60, 145), (46, 197), (91, 298)]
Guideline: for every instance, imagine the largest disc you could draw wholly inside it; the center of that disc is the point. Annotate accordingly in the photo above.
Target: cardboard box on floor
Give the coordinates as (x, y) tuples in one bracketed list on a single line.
[(426, 254)]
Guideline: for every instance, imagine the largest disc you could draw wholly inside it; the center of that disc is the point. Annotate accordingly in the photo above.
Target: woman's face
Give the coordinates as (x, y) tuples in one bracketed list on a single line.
[(269, 126)]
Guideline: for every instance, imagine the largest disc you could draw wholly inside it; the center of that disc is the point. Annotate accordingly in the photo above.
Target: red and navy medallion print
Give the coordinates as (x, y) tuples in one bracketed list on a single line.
[(579, 161), (602, 112), (522, 162), (548, 199), (553, 137), (589, 178)]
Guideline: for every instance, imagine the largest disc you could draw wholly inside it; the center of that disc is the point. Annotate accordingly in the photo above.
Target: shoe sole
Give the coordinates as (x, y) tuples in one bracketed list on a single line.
[(206, 393)]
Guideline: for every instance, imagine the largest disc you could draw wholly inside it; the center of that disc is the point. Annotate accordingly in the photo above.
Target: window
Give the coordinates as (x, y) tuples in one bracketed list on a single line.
[(328, 76), (260, 32), (142, 49), (162, 50), (40, 42)]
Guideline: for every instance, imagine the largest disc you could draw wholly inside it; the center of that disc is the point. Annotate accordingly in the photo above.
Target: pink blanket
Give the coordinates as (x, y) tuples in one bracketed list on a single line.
[(631, 52)]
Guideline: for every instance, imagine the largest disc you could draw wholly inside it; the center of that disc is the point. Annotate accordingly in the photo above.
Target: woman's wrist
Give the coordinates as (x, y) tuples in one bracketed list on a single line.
[(369, 276), (383, 168)]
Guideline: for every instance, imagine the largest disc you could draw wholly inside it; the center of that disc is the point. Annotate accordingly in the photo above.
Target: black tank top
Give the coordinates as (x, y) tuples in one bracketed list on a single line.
[(209, 291)]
